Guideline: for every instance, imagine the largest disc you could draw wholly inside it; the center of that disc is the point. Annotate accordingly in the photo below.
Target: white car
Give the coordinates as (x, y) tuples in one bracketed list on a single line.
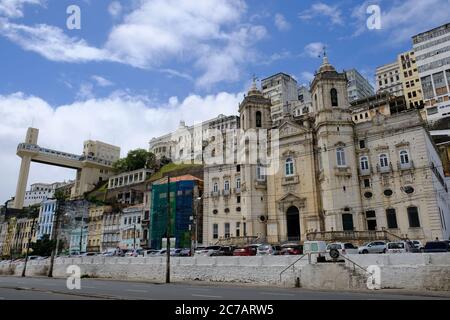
[(418, 244), (373, 247), (399, 247), (208, 251), (343, 248)]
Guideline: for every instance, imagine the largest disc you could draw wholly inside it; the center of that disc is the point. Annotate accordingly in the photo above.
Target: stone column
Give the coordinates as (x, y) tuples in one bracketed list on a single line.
[(22, 182)]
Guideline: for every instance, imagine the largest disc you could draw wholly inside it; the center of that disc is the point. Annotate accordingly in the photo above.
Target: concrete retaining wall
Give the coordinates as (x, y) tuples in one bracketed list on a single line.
[(401, 271)]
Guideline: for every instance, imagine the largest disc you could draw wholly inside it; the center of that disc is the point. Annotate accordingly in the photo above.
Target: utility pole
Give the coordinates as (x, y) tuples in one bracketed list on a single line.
[(28, 247), (81, 234), (168, 232), (134, 237)]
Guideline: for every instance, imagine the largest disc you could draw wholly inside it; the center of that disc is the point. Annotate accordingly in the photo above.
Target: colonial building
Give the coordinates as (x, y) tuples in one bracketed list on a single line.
[(131, 228), (328, 176), (388, 79), (96, 212)]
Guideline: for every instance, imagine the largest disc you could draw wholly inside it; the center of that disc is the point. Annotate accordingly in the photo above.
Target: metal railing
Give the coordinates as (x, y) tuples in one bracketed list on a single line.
[(292, 265)]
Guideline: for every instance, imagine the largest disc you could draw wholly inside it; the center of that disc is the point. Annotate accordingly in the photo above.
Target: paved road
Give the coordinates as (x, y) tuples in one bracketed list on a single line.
[(55, 289)]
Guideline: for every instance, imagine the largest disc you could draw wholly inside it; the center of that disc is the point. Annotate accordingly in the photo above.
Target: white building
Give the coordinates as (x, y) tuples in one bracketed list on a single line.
[(280, 89), (358, 87), (131, 228), (387, 79), (129, 178), (432, 49), (46, 217), (42, 191)]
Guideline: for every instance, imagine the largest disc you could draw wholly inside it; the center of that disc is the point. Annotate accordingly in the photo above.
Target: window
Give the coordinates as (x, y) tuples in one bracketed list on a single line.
[(347, 222), (226, 186), (238, 199), (258, 119), (334, 97), (413, 217), (404, 157), (340, 154), (289, 167), (366, 183), (227, 230), (364, 162), (238, 229), (238, 168), (391, 218), (216, 187), (215, 231), (260, 173), (384, 163)]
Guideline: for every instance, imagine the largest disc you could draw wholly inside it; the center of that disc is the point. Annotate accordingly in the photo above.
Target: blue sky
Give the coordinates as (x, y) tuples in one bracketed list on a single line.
[(138, 67)]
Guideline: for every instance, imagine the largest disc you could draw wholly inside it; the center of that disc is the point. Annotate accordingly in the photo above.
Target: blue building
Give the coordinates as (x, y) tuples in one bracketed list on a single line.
[(46, 217)]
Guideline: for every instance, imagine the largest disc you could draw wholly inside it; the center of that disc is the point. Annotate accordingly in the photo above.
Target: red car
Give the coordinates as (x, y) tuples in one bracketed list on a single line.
[(246, 251), (291, 250)]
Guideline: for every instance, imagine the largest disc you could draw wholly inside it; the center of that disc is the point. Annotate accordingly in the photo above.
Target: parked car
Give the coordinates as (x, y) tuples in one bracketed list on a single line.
[(400, 247), (89, 254), (436, 246), (291, 249), (225, 251), (418, 244), (160, 253), (209, 251), (175, 252), (268, 249), (132, 253), (343, 248), (198, 250), (186, 252), (108, 253), (149, 252), (373, 247), (249, 250)]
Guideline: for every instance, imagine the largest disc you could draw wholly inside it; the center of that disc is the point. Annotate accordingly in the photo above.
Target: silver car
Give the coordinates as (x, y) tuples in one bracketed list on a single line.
[(373, 247), (267, 249)]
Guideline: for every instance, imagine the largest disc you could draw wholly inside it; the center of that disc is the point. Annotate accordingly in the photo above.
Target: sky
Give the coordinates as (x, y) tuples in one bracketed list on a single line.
[(135, 68)]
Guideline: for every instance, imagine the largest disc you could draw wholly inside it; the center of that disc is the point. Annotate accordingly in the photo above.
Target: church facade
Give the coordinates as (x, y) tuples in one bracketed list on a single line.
[(325, 176)]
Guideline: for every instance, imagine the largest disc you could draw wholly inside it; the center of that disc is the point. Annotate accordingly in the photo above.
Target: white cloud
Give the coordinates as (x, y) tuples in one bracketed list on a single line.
[(314, 49), (102, 82), (401, 20), (52, 43), (208, 34), (321, 9), (120, 119), (115, 9), (14, 8), (281, 23), (307, 76)]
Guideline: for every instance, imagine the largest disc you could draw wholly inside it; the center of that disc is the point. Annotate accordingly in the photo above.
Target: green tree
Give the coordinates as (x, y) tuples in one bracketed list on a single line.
[(43, 247), (135, 160)]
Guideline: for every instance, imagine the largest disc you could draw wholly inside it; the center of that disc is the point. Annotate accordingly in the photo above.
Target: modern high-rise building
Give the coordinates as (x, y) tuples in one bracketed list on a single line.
[(409, 76), (432, 50), (280, 89), (358, 86), (388, 79)]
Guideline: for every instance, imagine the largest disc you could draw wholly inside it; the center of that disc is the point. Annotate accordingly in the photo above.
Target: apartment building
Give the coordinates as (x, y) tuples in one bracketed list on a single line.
[(358, 87), (387, 79), (432, 51)]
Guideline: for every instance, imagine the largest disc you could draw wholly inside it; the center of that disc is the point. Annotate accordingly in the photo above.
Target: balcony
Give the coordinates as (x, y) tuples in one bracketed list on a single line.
[(290, 180), (226, 193), (342, 171), (386, 169), (237, 190), (365, 172), (260, 184), (405, 166), (215, 194)]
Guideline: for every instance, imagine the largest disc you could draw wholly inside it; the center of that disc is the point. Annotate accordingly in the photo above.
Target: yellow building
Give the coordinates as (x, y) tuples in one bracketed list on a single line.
[(96, 227), (409, 76)]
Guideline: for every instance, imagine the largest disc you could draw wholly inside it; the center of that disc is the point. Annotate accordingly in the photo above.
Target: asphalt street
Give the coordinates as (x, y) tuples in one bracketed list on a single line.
[(17, 288)]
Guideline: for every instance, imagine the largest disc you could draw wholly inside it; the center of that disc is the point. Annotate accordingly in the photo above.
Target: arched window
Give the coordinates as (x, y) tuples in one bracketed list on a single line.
[(289, 167), (340, 155), (258, 119), (364, 162), (216, 187), (226, 186), (404, 157), (384, 162), (334, 97)]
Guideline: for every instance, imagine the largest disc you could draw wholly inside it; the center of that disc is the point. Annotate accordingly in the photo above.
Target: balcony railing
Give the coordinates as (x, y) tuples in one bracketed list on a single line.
[(215, 194), (365, 172), (226, 193), (237, 190), (385, 169), (405, 166)]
